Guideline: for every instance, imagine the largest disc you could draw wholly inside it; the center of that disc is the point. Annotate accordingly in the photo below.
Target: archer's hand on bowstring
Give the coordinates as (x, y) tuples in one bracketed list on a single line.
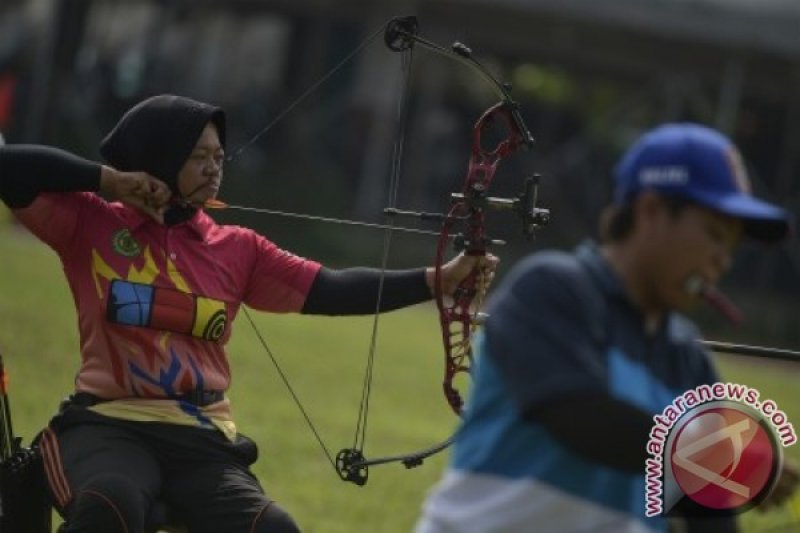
[(136, 189), (458, 268)]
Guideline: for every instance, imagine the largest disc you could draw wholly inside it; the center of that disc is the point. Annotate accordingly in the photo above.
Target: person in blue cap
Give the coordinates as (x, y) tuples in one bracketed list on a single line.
[(582, 349)]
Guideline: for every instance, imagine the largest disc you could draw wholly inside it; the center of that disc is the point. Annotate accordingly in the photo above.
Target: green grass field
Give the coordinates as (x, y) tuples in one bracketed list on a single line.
[(324, 359)]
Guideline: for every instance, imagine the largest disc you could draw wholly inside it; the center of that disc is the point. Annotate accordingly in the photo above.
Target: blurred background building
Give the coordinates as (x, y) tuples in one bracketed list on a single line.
[(590, 76)]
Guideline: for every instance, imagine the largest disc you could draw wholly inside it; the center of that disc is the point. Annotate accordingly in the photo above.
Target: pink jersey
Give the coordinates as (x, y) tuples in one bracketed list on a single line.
[(156, 303)]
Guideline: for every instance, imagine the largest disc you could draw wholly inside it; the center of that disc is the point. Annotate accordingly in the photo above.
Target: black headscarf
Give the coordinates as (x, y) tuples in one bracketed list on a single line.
[(157, 136)]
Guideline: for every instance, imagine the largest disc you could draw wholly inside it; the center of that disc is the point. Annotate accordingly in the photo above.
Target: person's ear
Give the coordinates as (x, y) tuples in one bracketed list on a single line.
[(648, 211)]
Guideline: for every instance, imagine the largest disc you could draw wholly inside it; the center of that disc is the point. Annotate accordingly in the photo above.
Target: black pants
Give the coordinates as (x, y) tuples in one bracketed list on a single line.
[(105, 474)]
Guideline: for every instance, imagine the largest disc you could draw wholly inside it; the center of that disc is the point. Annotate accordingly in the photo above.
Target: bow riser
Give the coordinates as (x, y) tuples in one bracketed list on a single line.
[(458, 314)]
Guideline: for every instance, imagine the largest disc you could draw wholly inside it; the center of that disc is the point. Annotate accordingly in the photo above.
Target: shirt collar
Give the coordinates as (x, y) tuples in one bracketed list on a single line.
[(589, 254), (200, 224), (133, 218)]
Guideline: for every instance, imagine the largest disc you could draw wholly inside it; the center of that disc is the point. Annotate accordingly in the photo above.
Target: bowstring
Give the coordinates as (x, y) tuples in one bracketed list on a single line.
[(289, 387), (316, 85), (401, 122), (236, 153), (278, 368)]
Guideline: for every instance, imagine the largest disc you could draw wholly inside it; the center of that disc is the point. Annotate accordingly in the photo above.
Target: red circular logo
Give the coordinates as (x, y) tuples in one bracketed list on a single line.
[(725, 457)]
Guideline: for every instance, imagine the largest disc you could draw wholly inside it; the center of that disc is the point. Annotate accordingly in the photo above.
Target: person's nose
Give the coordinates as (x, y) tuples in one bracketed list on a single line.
[(213, 165)]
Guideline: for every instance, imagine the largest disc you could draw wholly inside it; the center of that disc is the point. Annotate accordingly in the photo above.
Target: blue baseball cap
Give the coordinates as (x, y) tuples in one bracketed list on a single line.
[(701, 165)]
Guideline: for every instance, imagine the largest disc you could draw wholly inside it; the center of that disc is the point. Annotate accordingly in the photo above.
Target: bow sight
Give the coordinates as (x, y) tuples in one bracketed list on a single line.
[(523, 206)]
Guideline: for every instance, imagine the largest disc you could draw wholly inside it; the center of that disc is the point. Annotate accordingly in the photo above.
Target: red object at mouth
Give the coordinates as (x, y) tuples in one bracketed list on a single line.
[(213, 203), (722, 303)]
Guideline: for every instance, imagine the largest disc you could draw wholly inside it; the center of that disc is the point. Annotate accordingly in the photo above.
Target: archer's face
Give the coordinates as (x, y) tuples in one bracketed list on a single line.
[(201, 175), (694, 243)]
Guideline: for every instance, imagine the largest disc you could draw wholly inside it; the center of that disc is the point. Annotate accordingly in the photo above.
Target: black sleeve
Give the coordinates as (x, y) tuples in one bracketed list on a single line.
[(354, 291), (614, 433), (27, 170), (599, 428)]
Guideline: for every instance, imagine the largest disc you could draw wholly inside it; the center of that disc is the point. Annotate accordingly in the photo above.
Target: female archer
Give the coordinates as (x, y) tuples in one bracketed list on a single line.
[(156, 284)]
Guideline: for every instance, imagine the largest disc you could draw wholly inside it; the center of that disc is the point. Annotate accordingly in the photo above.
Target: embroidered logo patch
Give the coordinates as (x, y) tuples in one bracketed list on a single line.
[(124, 243)]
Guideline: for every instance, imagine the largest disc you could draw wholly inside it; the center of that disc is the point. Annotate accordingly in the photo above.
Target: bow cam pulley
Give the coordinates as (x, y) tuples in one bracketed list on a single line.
[(400, 33)]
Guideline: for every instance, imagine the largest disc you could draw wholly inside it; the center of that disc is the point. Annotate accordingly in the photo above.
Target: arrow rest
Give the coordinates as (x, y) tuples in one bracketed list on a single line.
[(462, 243)]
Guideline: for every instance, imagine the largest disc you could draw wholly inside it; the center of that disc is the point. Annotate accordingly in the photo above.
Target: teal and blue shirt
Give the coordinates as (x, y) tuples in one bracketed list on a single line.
[(559, 324)]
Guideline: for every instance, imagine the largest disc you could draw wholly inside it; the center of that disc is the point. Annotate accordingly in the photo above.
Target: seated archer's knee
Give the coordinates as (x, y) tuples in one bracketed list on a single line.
[(275, 519), (107, 503)]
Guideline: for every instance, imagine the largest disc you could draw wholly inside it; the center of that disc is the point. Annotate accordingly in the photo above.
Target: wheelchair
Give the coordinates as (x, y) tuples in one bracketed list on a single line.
[(26, 505)]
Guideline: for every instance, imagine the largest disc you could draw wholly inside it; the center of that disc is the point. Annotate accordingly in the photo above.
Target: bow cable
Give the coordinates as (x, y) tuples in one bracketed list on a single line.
[(401, 123), (314, 86), (216, 204)]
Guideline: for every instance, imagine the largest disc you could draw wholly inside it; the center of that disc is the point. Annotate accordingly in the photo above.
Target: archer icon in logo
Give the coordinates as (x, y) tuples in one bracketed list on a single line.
[(723, 456)]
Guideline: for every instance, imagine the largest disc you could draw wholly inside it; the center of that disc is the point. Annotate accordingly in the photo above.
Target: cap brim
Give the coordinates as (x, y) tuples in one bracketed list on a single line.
[(762, 221)]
